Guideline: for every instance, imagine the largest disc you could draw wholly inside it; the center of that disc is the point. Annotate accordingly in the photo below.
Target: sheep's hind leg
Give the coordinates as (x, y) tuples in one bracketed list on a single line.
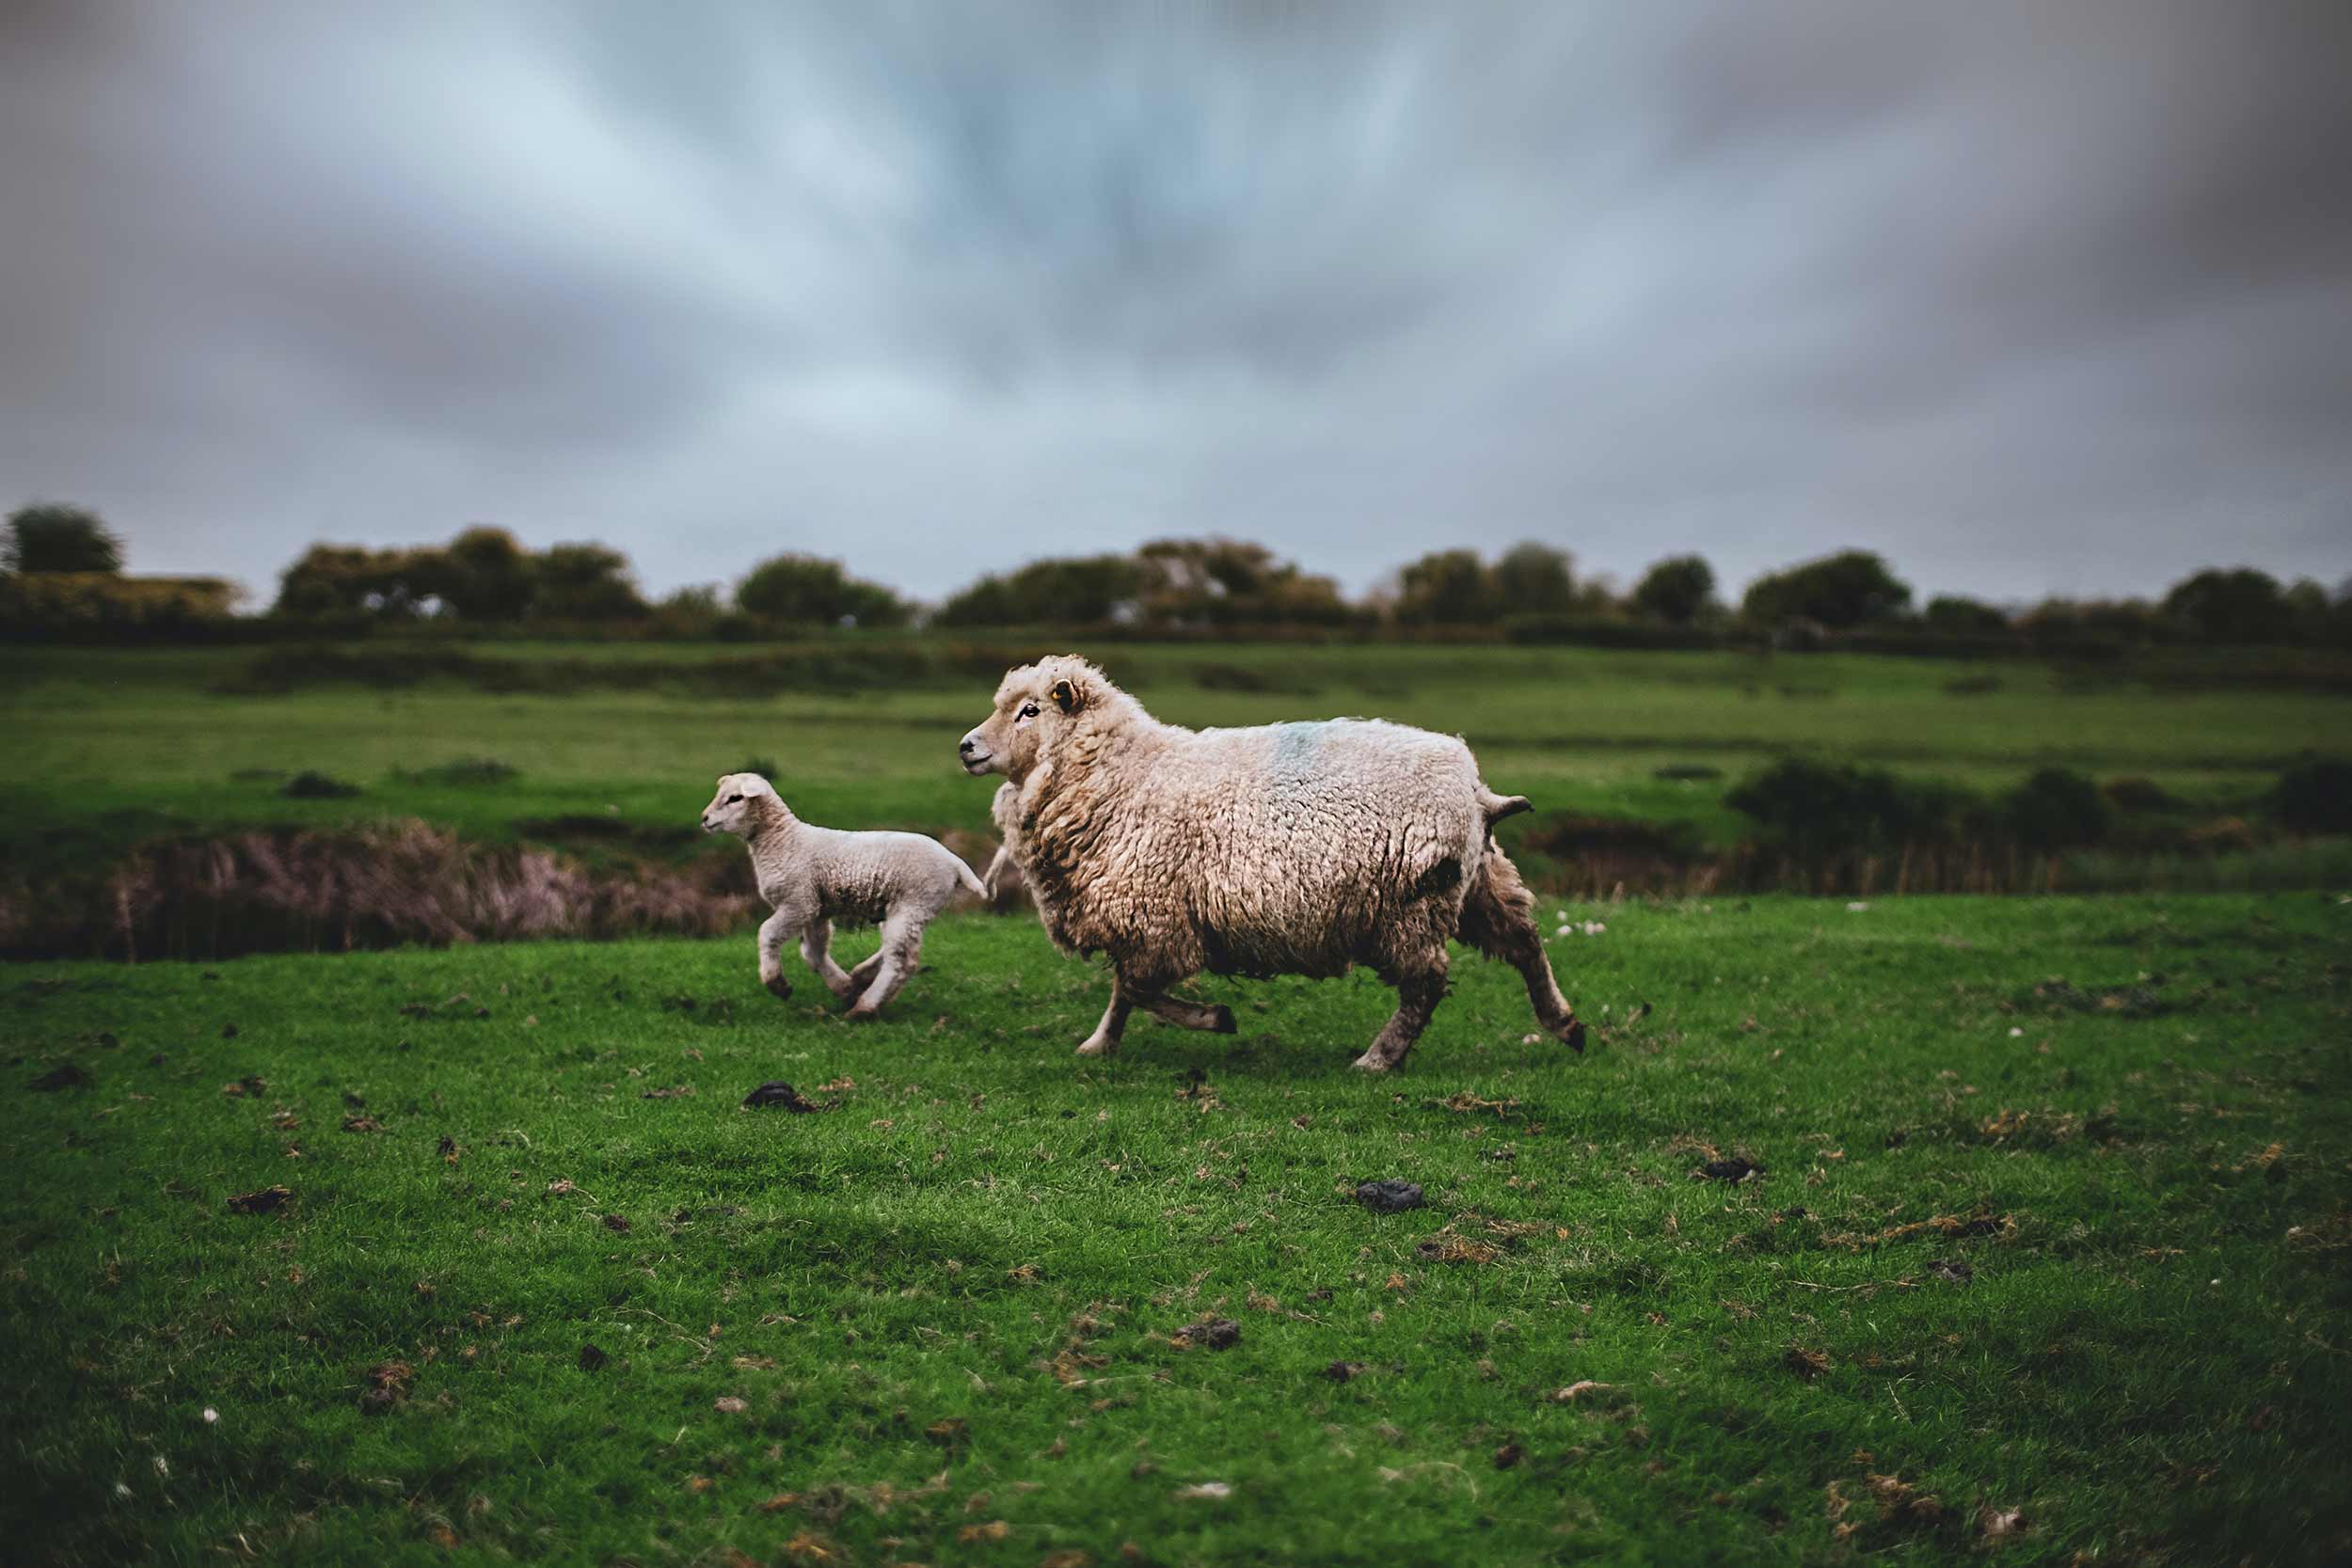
[(1216, 1019), (1498, 919), (902, 940), (1106, 1037), (861, 974), (1418, 994), (772, 934), (815, 951)]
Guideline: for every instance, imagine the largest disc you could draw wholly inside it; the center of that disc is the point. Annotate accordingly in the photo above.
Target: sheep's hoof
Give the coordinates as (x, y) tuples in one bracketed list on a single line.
[(779, 988), (1569, 1031), (1221, 1020), (861, 1012), (1095, 1045), (1372, 1061)]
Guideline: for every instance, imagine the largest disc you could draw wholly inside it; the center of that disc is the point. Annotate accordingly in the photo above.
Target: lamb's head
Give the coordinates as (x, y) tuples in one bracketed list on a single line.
[(1038, 705), (744, 801)]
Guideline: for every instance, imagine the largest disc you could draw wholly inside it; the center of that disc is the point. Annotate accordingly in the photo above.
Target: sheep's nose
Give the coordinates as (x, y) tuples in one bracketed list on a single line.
[(969, 747)]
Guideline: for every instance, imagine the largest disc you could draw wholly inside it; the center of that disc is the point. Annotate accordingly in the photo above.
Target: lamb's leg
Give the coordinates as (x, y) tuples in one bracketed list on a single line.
[(1215, 1019), (902, 940), (815, 951), (862, 974), (1106, 1037), (1418, 994), (773, 931), (1498, 918)]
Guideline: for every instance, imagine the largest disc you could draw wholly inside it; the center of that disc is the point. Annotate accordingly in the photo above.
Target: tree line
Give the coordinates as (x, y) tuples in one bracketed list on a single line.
[(61, 571)]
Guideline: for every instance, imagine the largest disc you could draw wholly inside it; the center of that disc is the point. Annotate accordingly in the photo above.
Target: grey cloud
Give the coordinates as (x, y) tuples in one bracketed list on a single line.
[(2028, 297)]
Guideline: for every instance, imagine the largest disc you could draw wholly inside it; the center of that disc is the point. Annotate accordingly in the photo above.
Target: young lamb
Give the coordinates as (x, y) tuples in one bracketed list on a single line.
[(1279, 850), (812, 876)]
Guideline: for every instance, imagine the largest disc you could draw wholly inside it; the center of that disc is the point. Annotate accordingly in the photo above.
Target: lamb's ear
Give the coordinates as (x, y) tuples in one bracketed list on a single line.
[(1067, 696)]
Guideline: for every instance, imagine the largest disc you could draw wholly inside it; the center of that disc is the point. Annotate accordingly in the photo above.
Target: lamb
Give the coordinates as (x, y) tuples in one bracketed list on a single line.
[(813, 876), (1279, 850)]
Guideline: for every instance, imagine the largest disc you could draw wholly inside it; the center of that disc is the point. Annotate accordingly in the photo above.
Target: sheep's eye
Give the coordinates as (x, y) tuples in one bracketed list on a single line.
[(1028, 710), (733, 799)]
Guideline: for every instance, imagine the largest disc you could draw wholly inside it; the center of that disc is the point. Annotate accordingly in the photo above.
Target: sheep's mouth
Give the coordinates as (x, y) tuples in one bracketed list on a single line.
[(977, 766)]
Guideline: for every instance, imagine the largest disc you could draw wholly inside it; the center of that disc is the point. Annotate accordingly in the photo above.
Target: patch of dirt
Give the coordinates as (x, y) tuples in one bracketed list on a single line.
[(1389, 1197)]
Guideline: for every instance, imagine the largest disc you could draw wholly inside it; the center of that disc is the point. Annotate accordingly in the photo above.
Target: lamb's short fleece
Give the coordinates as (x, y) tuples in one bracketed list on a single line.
[(1283, 849), (812, 876)]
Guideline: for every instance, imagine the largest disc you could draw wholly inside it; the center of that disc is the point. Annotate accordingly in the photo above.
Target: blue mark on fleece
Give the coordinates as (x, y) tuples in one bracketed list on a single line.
[(1295, 749)]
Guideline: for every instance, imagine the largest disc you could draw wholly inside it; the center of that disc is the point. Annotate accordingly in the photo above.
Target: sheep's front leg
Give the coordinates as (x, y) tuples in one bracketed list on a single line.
[(773, 931), (815, 944), (902, 940)]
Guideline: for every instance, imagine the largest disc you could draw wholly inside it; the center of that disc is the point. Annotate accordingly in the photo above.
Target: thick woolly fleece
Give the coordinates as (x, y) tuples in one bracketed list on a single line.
[(812, 875), (1282, 848)]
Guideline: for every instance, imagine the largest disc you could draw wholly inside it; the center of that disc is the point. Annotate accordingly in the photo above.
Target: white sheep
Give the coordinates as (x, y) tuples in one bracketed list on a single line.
[(812, 876), (1283, 849)]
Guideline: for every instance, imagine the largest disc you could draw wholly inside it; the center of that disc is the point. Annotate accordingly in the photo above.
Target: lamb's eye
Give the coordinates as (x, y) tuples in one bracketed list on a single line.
[(1028, 710), (733, 799)]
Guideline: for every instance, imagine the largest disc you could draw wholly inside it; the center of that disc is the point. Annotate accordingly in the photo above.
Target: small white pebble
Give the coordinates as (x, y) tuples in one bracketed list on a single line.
[(211, 1415), (122, 1489), (2017, 1034), (1210, 1489), (1562, 933), (1856, 907)]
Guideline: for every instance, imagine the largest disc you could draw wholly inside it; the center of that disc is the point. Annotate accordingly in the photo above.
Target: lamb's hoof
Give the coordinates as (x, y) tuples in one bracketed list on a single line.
[(779, 988), (861, 1012), (1572, 1035), (1222, 1021), (1372, 1061), (1095, 1045)]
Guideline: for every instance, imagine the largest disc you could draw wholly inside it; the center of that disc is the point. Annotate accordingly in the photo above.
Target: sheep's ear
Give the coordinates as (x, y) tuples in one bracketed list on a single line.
[(1067, 696)]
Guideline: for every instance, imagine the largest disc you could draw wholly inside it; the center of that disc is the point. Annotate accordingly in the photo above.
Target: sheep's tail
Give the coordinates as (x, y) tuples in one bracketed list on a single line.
[(1497, 807), (964, 875)]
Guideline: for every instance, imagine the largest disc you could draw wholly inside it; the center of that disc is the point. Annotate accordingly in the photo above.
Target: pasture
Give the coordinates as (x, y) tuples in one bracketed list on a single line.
[(2047, 1252), (1941, 1228)]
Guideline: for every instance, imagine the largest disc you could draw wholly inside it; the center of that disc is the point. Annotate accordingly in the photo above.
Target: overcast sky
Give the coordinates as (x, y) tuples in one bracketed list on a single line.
[(2056, 296)]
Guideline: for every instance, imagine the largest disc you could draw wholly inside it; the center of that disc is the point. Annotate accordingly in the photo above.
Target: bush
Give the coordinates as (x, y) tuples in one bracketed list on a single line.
[(1815, 809), (2314, 795), (2056, 809), (312, 786)]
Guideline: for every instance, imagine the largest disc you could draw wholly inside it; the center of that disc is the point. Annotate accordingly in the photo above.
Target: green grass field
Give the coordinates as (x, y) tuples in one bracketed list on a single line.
[(2050, 1251), (112, 746)]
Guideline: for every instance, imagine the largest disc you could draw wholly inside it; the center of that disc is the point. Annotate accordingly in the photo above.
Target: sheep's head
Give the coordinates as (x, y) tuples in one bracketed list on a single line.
[(1036, 705), (740, 805)]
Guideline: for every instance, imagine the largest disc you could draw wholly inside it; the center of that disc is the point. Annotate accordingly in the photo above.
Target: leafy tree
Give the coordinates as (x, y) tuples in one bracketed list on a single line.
[(331, 579), (1962, 617), (487, 575), (1069, 591), (805, 587), (585, 582), (1534, 579), (1851, 588), (47, 536), (1679, 589), (1446, 588), (1228, 583), (2236, 605)]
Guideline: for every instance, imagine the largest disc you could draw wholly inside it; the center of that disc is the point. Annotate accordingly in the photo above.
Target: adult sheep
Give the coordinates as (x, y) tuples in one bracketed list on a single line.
[(1276, 849)]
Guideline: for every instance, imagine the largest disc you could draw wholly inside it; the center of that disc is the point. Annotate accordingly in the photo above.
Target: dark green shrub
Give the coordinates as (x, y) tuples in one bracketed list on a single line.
[(309, 785), (1815, 809), (2056, 809), (2314, 795)]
